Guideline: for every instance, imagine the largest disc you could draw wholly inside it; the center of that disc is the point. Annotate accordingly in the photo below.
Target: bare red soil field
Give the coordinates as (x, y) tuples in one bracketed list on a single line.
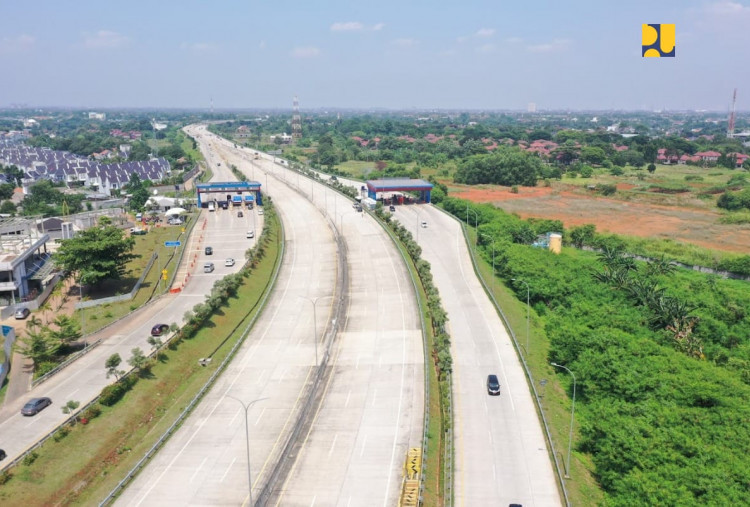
[(700, 227)]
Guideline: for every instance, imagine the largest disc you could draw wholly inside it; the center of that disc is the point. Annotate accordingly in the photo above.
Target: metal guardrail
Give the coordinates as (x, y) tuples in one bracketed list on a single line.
[(209, 383), (280, 464), (527, 371)]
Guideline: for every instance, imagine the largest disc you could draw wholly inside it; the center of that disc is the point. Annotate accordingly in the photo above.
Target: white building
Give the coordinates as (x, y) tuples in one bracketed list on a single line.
[(97, 116)]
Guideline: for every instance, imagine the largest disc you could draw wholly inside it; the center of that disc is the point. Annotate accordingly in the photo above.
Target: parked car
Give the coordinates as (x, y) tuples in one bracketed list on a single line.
[(2, 455), (22, 313), (159, 329), (209, 250), (35, 405), (239, 214), (208, 267), (493, 385), (229, 262), (250, 234)]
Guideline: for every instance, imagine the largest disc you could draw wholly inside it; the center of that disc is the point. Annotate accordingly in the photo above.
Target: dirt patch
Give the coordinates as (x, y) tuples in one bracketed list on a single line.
[(700, 227)]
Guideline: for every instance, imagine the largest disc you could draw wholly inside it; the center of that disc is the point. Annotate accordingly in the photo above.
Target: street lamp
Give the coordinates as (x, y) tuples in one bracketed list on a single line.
[(527, 311), (247, 442), (476, 219), (493, 255), (314, 302), (572, 413)]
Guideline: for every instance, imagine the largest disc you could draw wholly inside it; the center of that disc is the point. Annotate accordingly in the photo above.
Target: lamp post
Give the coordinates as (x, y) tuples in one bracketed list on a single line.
[(314, 302), (572, 414), (527, 311), (493, 255), (476, 219), (247, 442)]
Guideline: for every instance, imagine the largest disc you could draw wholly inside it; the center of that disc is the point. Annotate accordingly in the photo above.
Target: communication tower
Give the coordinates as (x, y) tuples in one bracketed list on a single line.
[(730, 127), (296, 121)]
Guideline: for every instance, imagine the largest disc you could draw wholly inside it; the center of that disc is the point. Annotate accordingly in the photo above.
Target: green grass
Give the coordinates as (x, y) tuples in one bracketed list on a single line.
[(83, 467), (582, 488), (97, 317), (356, 168), (187, 146)]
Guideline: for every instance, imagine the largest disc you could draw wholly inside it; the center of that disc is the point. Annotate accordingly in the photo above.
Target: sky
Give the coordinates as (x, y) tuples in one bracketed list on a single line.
[(404, 54)]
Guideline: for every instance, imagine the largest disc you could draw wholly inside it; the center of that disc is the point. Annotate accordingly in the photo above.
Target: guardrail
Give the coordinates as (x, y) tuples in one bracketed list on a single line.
[(527, 371), (282, 462), (209, 383), (124, 297)]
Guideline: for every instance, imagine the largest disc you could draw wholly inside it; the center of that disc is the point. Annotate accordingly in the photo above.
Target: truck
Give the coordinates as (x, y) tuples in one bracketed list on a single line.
[(211, 206), (236, 200)]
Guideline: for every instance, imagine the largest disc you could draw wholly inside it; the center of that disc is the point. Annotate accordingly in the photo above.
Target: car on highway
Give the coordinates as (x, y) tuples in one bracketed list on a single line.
[(229, 262), (208, 267), (250, 234), (209, 250), (424, 224), (159, 329), (493, 385), (392, 208), (35, 405), (22, 313), (3, 455), (239, 214), (260, 211)]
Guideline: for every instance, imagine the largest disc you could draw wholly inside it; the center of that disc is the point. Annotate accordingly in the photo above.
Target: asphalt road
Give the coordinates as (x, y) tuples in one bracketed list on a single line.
[(501, 455), (205, 460), (372, 410), (84, 379)]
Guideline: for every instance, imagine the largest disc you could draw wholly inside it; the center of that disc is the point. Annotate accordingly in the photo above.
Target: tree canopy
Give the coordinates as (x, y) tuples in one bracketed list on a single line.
[(506, 166), (96, 254)]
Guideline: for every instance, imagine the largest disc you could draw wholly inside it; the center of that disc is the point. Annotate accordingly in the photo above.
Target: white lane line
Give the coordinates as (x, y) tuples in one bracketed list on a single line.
[(262, 374), (356, 365), (32, 422), (71, 394), (261, 415), (364, 442), (234, 417), (313, 501), (347, 398), (283, 373), (192, 477), (333, 444), (228, 469), (374, 396)]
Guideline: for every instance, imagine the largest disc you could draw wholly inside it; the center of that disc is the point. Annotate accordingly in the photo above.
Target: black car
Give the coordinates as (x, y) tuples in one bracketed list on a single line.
[(209, 250), (159, 329), (493, 385), (392, 208), (239, 214), (2, 455), (35, 405)]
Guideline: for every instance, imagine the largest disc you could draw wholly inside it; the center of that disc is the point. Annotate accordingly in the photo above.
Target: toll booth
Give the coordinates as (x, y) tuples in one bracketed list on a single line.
[(233, 192)]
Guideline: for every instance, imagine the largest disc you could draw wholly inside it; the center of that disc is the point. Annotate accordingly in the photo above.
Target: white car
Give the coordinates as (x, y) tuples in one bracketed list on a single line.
[(260, 211), (424, 224), (229, 262), (250, 234)]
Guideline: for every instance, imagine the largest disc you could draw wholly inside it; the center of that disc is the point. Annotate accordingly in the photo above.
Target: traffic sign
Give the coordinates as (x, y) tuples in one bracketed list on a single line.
[(172, 243)]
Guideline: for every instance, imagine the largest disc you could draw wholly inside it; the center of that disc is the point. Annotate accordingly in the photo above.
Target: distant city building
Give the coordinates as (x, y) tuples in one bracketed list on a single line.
[(97, 116), (285, 138), (531, 107)]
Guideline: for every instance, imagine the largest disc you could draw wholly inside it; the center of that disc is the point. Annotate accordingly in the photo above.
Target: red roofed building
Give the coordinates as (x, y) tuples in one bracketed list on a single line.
[(432, 138), (709, 156), (689, 158), (620, 148), (663, 158), (740, 159)]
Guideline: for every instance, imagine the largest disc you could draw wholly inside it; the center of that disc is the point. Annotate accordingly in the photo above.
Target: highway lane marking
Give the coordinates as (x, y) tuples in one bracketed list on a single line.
[(283, 373), (249, 353), (364, 443), (32, 422), (313, 500), (333, 444), (71, 394), (356, 365), (192, 477), (262, 374), (228, 469), (261, 415), (234, 417)]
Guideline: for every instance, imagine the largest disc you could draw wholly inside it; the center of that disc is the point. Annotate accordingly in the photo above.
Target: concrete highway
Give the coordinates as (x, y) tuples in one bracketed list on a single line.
[(85, 378), (372, 409)]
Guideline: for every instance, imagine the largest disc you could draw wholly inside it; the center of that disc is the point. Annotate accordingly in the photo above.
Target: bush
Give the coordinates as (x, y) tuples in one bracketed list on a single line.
[(113, 393), (5, 476), (61, 433), (92, 412), (45, 367), (30, 458), (514, 189), (607, 189), (587, 171)]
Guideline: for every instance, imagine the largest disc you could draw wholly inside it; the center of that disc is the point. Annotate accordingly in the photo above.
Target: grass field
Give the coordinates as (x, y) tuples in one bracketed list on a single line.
[(97, 317), (84, 466)]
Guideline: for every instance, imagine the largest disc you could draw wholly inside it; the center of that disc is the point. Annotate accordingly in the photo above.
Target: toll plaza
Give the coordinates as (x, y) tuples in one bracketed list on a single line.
[(390, 190), (231, 192)]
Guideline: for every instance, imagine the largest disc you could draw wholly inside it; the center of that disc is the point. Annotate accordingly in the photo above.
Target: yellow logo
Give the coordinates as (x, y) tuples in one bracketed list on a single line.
[(658, 40)]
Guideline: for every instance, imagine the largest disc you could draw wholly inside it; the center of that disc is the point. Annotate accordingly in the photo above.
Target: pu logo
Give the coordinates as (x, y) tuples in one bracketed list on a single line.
[(658, 40)]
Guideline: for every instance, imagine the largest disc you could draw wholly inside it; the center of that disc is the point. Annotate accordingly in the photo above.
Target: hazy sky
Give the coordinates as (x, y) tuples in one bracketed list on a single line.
[(493, 54)]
